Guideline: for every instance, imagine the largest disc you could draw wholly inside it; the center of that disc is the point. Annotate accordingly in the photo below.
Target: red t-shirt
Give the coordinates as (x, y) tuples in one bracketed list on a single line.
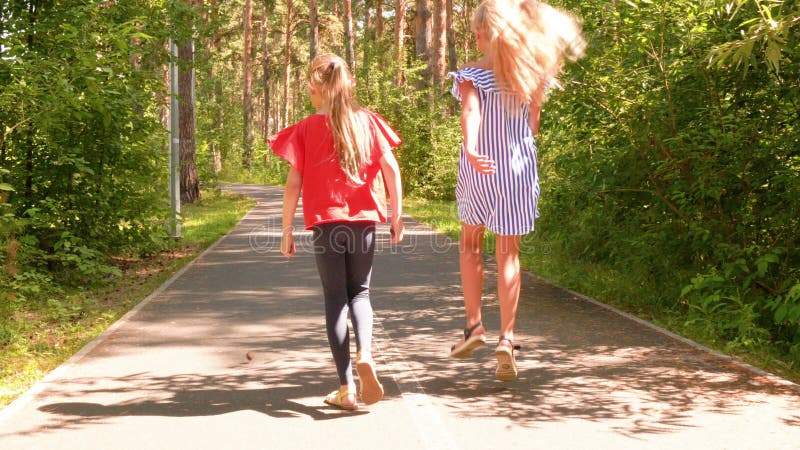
[(327, 194)]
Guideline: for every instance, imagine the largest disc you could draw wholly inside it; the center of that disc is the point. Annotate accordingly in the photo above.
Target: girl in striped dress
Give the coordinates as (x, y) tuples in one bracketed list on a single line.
[(523, 43)]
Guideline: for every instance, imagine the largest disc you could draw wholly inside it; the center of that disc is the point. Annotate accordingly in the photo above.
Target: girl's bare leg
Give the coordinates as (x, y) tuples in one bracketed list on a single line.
[(471, 263), (508, 282)]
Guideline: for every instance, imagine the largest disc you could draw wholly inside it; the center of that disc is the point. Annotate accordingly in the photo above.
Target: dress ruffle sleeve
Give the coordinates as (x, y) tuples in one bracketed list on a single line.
[(384, 138), (289, 145), (481, 78)]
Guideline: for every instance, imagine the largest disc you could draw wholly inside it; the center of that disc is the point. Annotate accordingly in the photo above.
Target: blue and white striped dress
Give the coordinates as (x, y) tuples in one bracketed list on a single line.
[(506, 201)]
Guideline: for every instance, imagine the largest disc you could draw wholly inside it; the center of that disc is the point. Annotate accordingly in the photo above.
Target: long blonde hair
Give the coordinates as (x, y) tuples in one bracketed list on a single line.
[(329, 75), (529, 40)]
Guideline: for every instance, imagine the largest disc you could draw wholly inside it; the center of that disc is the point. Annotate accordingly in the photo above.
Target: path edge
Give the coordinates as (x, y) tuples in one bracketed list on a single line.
[(728, 358), (73, 360)]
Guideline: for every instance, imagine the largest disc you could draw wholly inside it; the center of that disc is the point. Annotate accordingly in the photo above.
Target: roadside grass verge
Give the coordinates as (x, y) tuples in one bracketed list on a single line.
[(41, 336), (630, 290)]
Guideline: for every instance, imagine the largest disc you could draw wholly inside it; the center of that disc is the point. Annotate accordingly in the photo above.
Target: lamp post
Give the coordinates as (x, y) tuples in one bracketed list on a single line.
[(174, 145)]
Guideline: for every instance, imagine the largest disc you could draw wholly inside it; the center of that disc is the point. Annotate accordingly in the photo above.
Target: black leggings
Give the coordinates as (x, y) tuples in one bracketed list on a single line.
[(344, 252)]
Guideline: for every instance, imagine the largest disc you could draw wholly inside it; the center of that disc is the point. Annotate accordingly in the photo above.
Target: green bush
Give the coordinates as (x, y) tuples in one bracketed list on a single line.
[(658, 164)]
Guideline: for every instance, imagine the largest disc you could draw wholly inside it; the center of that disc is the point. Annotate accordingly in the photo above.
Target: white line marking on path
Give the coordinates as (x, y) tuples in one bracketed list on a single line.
[(427, 419)]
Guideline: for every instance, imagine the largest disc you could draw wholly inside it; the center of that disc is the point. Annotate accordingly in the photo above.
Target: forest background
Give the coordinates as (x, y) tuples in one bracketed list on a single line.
[(670, 161)]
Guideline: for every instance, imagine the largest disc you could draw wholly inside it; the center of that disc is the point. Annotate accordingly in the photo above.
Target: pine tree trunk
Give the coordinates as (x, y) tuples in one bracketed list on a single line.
[(368, 22), (2, 124), (265, 65), (452, 55), (299, 94), (212, 45), (190, 184), (276, 112), (348, 35), (247, 86), (423, 41), (313, 18), (379, 19), (287, 63), (29, 131), (423, 30), (439, 43), (399, 37), (368, 36), (470, 36)]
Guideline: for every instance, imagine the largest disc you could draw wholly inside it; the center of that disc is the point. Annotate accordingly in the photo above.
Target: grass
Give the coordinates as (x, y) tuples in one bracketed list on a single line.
[(42, 337), (629, 290)]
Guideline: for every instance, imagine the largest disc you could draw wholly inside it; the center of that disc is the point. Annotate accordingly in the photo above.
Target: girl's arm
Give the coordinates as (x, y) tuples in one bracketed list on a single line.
[(534, 113), (391, 174), (470, 124), (294, 183)]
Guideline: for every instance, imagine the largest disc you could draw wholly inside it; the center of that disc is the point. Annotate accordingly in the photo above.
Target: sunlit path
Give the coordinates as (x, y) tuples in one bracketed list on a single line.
[(173, 375)]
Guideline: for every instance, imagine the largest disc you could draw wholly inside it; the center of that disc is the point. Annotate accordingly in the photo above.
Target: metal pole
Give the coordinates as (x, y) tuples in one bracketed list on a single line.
[(174, 145)]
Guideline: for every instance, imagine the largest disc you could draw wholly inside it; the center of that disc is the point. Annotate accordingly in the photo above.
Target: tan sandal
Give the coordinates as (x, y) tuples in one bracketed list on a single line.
[(336, 398), (371, 389), (506, 365), (465, 348)]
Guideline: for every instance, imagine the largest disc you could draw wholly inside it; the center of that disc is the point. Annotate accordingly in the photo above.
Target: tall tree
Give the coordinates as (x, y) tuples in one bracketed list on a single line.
[(3, 80), (348, 35), (466, 19), (269, 6), (287, 60), (33, 9), (368, 25), (379, 19), (190, 183), (313, 33), (422, 29), (247, 85), (452, 55), (399, 37), (211, 15), (368, 36), (439, 42), (422, 40)]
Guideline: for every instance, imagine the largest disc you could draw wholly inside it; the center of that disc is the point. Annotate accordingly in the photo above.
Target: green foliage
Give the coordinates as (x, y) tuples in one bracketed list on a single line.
[(669, 162), (43, 322), (655, 162), (82, 166), (428, 156), (32, 285), (87, 140), (768, 38), (8, 221), (266, 168), (726, 306)]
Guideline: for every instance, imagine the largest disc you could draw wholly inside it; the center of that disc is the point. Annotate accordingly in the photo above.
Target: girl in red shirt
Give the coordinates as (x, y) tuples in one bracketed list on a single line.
[(339, 160)]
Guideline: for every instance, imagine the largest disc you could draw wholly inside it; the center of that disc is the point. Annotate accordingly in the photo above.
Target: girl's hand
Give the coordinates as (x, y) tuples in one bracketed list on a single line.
[(482, 163), (287, 244), (396, 230)]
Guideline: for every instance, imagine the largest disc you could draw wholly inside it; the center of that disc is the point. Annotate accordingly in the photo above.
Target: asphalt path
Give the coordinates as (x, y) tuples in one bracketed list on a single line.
[(172, 374)]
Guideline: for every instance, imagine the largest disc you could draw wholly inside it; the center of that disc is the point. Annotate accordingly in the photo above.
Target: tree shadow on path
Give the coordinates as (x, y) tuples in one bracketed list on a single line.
[(578, 360)]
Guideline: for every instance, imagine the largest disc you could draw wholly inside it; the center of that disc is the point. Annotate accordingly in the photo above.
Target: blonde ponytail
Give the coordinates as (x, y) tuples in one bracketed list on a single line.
[(351, 139), (530, 41)]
